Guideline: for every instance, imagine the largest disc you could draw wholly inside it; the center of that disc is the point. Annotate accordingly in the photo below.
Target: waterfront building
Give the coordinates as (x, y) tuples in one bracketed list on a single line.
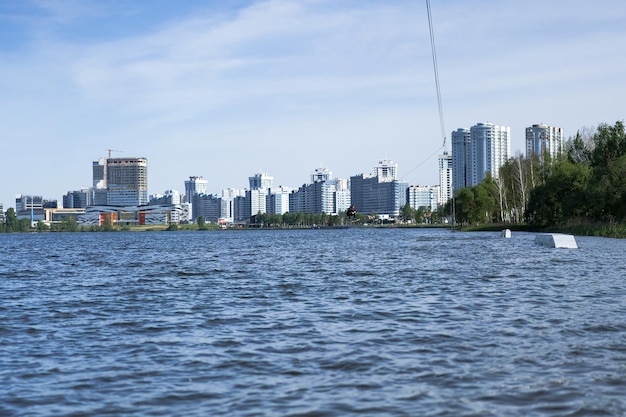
[(168, 197), (131, 215), (478, 152), (33, 207), (195, 185), (228, 203), (254, 201), (342, 195), (241, 210), (423, 196), (55, 215), (461, 159), (491, 148), (543, 139), (323, 195), (207, 206), (278, 200), (445, 178), (2, 216), (314, 198), (127, 181), (28, 202), (77, 199), (380, 194)]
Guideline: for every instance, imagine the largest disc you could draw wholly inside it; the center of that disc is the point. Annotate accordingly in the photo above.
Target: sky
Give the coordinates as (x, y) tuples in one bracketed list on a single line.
[(228, 89)]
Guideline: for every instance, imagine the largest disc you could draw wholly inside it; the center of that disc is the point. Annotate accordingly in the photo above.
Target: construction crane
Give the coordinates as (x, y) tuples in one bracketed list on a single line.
[(112, 150)]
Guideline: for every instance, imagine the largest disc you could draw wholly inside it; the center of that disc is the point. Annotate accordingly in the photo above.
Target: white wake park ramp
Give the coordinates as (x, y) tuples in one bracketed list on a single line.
[(556, 240)]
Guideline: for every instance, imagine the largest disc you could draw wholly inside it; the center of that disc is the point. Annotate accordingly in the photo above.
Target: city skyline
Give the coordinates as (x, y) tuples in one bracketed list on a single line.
[(385, 168), (228, 89)]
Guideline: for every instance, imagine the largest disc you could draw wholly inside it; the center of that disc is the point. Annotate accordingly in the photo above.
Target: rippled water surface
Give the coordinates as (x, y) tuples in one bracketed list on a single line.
[(386, 322)]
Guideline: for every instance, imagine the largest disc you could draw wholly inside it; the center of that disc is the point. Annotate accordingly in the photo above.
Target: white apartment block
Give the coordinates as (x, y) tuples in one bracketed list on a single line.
[(195, 185), (477, 152), (490, 149), (386, 171), (445, 178), (261, 181), (423, 196), (543, 139), (278, 200), (321, 174), (342, 195)]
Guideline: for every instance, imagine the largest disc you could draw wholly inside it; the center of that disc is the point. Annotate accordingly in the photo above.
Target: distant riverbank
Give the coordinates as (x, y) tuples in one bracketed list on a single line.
[(581, 229)]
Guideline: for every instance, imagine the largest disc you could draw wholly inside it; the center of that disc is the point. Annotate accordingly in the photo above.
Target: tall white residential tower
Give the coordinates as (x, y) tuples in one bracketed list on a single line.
[(445, 178), (479, 151), (541, 139)]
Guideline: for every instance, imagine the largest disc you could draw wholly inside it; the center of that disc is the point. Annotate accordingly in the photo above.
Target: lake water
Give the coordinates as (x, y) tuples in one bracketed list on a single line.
[(376, 322)]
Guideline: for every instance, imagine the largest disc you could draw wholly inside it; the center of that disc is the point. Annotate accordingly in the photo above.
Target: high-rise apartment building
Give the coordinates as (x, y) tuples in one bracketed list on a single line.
[(342, 195), (168, 197), (478, 152), (231, 199), (386, 171), (99, 173), (461, 162), (323, 195), (543, 139), (207, 206), (261, 181), (321, 174), (278, 200), (127, 181), (445, 178), (315, 198), (195, 185), (382, 194), (491, 148)]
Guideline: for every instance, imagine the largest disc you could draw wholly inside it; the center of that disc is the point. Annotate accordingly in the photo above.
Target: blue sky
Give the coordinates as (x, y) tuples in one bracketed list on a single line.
[(226, 89)]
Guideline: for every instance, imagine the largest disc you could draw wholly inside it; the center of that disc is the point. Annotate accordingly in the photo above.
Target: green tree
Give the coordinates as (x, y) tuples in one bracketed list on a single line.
[(609, 145), (422, 214), (11, 222), (562, 197), (201, 223), (577, 151), (406, 213)]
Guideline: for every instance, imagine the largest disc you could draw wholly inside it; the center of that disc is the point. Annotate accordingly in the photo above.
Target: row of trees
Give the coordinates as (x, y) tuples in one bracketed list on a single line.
[(587, 183), (300, 219), (13, 224)]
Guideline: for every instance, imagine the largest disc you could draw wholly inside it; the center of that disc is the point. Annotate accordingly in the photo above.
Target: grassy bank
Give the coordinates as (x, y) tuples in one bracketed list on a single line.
[(613, 230)]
